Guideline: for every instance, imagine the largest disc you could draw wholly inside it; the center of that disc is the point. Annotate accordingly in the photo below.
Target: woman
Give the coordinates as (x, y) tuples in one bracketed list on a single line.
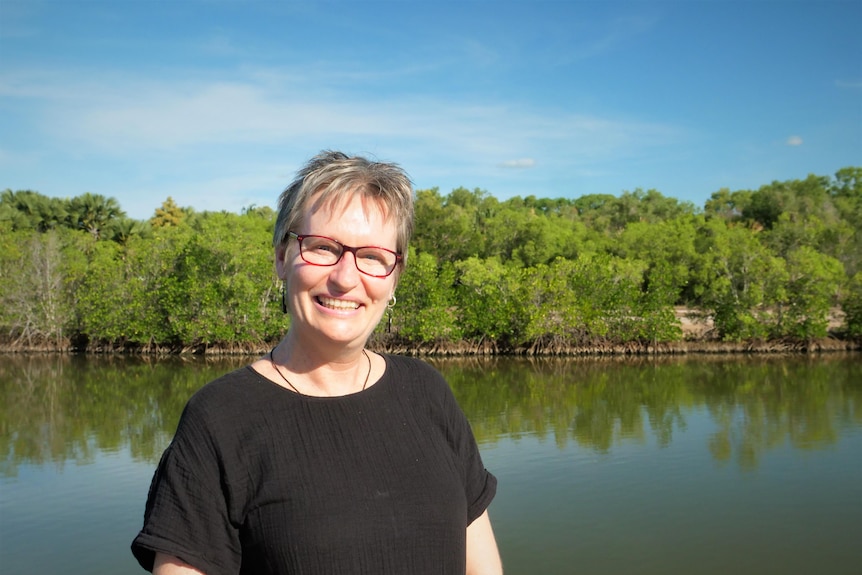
[(324, 457)]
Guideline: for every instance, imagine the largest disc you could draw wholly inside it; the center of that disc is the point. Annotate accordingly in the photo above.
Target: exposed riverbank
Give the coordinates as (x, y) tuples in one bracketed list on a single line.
[(697, 329)]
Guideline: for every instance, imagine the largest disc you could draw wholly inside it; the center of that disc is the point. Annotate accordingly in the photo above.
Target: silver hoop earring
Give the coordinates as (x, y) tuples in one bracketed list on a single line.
[(389, 307)]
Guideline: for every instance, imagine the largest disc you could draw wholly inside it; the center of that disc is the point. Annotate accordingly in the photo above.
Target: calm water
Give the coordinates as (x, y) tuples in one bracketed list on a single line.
[(693, 465)]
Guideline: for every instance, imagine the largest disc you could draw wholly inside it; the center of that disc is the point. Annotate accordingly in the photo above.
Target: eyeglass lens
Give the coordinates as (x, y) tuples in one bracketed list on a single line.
[(322, 251)]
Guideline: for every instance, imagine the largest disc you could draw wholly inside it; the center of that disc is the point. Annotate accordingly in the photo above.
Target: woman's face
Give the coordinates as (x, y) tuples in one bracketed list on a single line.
[(338, 304)]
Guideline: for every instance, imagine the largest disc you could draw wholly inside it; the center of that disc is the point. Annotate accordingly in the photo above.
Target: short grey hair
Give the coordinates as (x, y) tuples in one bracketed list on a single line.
[(332, 178)]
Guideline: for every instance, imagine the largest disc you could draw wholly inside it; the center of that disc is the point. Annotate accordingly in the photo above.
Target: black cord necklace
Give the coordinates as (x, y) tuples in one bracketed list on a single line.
[(293, 387)]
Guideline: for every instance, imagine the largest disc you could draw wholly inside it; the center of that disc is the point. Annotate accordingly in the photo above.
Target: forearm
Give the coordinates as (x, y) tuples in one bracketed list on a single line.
[(170, 565), (483, 557)]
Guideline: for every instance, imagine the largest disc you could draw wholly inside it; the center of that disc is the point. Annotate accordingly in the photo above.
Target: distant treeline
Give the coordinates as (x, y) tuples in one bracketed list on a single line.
[(524, 275)]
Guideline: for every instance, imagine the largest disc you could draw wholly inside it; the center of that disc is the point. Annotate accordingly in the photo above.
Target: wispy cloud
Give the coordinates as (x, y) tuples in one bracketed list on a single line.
[(220, 43), (480, 53), (599, 38), (237, 138), (117, 114), (852, 84), (520, 163), (794, 141)]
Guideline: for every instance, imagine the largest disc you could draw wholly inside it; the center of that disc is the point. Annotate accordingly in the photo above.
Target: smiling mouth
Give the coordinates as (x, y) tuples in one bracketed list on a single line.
[(338, 304)]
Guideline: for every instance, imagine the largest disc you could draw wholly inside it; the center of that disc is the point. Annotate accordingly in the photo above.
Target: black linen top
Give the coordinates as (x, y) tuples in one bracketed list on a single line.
[(259, 479)]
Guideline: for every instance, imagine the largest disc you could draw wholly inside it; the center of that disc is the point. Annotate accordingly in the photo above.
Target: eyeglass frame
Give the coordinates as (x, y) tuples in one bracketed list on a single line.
[(345, 248)]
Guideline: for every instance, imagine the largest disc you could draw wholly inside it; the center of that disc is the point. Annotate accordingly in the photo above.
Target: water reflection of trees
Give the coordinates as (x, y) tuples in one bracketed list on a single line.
[(756, 403), (58, 409), (760, 406)]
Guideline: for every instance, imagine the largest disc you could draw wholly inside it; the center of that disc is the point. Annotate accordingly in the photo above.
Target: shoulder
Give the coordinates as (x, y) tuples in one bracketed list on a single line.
[(226, 390), (416, 373), (421, 384), (224, 402), (220, 392), (220, 419)]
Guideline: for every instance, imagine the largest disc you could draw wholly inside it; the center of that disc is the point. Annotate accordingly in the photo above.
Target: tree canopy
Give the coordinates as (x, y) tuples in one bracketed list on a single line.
[(524, 273)]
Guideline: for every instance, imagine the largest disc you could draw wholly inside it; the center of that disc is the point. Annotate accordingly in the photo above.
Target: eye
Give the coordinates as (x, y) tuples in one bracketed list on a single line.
[(326, 248), (321, 245), (373, 256)]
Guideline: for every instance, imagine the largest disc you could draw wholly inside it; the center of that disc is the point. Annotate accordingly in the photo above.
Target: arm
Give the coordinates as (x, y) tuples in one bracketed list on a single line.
[(170, 565), (186, 518), (483, 558)]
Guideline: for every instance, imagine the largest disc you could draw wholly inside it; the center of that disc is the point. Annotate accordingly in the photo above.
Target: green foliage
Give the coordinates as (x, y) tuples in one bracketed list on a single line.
[(93, 213), (846, 194), (743, 282), (29, 210), (669, 248), (221, 286), (489, 302), (449, 227), (572, 300), (764, 207), (612, 214), (852, 305), (117, 295), (656, 320), (813, 282), (576, 301), (524, 273), (727, 205), (425, 310)]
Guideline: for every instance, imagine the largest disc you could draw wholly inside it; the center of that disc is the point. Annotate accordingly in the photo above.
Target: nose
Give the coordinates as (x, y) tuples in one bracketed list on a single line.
[(344, 273)]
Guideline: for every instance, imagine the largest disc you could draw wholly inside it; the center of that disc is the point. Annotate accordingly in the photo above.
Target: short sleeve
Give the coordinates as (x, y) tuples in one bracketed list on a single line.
[(187, 513), (480, 485)]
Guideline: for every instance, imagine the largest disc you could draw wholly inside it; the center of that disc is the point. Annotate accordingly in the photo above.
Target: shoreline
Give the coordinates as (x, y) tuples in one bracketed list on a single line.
[(388, 344), (698, 337)]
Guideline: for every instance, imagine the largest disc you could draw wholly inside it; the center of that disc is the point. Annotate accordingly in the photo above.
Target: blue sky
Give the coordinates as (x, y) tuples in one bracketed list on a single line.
[(217, 103)]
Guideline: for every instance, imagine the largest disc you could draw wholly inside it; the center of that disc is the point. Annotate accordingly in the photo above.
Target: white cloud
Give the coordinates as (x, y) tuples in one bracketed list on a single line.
[(117, 114), (597, 38), (479, 53), (218, 142), (794, 141), (520, 163), (853, 84)]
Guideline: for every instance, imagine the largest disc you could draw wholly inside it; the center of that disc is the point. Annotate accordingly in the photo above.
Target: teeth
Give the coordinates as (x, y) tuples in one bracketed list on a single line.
[(337, 303)]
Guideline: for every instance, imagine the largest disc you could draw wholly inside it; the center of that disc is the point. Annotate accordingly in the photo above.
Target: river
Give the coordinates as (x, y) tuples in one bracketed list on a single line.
[(694, 464)]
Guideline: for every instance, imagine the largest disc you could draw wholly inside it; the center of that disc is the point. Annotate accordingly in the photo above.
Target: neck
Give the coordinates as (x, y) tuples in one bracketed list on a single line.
[(307, 351), (309, 375)]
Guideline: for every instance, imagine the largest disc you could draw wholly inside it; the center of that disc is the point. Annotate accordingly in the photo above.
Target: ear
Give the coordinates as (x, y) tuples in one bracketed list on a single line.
[(396, 277), (280, 264)]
